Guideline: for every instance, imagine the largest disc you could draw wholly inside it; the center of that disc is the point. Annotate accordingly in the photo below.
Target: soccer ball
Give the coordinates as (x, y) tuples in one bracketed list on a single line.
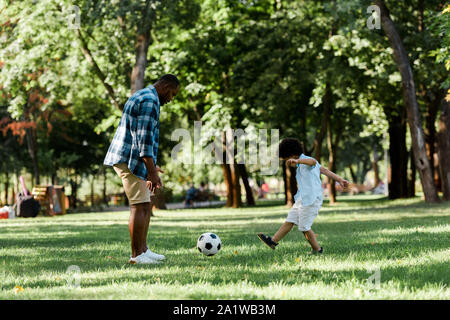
[(209, 244)]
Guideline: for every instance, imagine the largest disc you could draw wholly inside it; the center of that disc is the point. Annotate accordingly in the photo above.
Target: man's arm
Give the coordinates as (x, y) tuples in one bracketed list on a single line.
[(152, 173), (146, 120), (344, 183)]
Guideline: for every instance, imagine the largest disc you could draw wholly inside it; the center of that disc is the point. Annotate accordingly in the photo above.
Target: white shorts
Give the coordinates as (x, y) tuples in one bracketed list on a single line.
[(302, 216)]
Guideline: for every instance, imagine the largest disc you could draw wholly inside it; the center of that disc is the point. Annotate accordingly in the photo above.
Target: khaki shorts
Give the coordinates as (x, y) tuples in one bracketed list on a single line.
[(135, 188)]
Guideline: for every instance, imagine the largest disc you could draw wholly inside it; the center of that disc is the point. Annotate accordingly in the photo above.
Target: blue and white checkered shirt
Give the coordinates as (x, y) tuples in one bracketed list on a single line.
[(138, 133)]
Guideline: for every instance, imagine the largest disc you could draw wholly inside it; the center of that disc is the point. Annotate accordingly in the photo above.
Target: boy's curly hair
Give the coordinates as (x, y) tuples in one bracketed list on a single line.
[(290, 147)]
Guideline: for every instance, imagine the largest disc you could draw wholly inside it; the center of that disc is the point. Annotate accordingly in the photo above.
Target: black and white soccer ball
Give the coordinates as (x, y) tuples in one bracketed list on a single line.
[(209, 244)]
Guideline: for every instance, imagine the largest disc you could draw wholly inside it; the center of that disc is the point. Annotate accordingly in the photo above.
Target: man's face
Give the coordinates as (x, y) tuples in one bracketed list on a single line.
[(168, 94)]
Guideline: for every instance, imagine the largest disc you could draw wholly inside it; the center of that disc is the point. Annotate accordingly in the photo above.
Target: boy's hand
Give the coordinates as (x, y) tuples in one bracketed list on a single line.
[(291, 162), (344, 183)]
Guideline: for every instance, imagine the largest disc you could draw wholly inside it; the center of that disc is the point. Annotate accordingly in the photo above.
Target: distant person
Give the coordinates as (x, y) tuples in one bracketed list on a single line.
[(265, 187), (191, 193), (202, 187), (133, 154), (308, 199)]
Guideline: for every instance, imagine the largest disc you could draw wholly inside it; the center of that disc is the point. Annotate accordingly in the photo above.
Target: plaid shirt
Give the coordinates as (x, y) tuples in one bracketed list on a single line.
[(138, 133)]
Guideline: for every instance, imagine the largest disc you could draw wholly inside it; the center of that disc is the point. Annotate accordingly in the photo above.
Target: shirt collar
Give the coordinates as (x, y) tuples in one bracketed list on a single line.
[(153, 89)]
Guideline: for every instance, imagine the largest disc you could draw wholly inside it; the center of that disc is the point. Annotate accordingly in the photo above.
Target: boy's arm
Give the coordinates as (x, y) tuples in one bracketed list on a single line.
[(293, 162), (344, 183)]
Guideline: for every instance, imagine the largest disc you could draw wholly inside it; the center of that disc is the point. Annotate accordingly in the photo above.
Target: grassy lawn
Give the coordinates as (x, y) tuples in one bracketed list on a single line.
[(407, 240)]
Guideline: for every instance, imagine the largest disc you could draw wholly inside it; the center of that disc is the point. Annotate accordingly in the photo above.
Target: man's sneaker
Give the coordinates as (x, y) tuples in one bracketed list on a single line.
[(267, 241), (320, 251), (154, 256), (142, 259)]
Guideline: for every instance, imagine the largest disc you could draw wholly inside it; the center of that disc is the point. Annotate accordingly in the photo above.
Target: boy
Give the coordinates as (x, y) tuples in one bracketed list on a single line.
[(308, 198)]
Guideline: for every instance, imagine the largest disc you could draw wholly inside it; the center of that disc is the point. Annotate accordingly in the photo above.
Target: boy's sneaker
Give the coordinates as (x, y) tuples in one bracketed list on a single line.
[(142, 259), (320, 251), (154, 256), (267, 241)]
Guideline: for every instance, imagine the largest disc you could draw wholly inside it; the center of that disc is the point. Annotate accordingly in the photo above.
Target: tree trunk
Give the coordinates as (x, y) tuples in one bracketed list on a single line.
[(236, 186), (229, 184), (412, 107), (143, 42), (138, 73), (398, 154), (92, 192), (444, 149), (6, 187), (158, 201), (74, 190), (227, 171), (32, 150), (353, 175), (248, 189), (323, 127), (331, 183), (54, 178), (332, 150), (430, 133), (105, 198), (412, 177), (375, 168), (432, 107)]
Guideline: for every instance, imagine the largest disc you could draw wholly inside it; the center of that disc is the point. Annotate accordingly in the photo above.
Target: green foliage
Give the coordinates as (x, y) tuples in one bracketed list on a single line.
[(261, 64), (441, 29)]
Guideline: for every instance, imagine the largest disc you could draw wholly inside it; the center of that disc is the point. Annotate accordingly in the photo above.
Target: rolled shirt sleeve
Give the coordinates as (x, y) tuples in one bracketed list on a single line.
[(156, 143), (147, 131)]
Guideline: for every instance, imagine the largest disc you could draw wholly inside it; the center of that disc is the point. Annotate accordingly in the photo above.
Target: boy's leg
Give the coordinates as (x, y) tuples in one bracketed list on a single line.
[(273, 242), (311, 237), (284, 230), (306, 219)]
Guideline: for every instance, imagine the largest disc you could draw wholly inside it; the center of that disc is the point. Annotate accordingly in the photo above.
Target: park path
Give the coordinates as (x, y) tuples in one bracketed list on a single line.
[(176, 205)]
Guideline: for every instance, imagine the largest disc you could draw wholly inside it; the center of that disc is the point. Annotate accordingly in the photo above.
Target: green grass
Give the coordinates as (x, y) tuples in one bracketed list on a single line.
[(408, 240)]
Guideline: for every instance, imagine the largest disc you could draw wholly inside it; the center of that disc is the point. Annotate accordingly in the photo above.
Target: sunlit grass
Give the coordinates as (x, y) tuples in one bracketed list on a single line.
[(408, 241)]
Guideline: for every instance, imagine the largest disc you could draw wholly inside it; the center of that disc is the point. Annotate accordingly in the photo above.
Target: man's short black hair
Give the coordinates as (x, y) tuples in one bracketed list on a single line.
[(170, 80), (290, 147)]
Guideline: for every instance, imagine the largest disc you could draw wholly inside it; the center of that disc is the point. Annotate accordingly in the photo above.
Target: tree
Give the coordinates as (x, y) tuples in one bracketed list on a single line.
[(440, 28), (412, 108)]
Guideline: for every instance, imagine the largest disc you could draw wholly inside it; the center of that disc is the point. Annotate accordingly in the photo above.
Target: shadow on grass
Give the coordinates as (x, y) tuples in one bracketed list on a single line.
[(89, 246)]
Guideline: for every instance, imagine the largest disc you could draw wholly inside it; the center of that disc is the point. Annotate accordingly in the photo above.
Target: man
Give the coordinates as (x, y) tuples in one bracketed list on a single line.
[(133, 154)]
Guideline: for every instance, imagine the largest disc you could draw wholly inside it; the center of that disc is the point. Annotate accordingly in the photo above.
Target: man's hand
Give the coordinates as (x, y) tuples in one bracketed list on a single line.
[(153, 181)]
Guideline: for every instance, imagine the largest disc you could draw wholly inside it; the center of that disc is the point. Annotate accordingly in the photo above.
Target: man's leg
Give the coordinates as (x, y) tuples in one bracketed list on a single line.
[(284, 230), (137, 227), (311, 237), (147, 223)]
